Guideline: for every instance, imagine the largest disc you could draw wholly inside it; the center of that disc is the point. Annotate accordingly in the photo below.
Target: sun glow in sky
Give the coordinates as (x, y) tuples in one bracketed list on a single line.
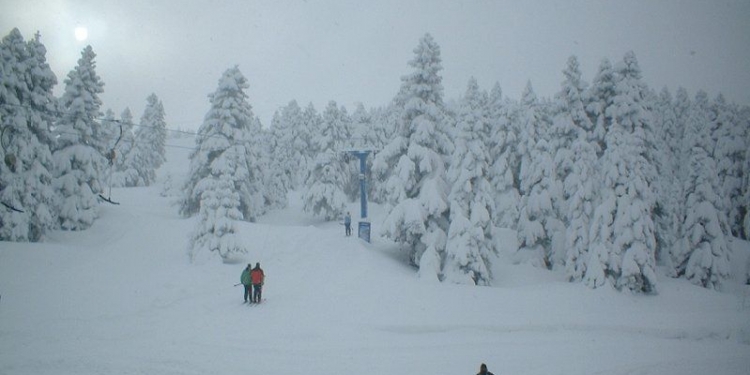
[(81, 33)]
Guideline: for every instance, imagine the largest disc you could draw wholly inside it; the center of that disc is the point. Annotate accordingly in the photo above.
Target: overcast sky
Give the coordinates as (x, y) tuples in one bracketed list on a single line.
[(356, 51)]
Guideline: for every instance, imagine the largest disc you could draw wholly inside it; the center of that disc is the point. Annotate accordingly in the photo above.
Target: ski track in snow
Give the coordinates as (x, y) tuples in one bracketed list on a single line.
[(123, 298)]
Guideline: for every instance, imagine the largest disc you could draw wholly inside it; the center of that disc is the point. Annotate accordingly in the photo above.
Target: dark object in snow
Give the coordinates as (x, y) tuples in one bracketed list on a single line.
[(348, 224), (483, 370), (111, 156), (11, 207), (108, 200)]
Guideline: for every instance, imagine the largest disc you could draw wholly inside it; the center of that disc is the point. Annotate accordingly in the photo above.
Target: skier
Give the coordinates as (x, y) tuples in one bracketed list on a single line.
[(483, 370), (246, 282), (348, 224), (257, 277)]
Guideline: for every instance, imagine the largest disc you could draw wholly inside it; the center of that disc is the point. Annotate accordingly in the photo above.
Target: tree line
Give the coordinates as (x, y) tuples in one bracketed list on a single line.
[(605, 181), (61, 156)]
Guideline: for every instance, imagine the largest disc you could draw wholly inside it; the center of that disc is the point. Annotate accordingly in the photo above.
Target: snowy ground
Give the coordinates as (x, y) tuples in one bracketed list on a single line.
[(122, 298)]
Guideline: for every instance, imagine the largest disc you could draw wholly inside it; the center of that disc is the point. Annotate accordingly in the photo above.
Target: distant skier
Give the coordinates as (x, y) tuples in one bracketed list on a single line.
[(257, 277), (247, 282), (348, 224), (483, 370)]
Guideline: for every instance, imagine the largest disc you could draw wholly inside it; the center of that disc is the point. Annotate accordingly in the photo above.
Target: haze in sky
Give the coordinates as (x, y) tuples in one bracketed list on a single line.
[(356, 51)]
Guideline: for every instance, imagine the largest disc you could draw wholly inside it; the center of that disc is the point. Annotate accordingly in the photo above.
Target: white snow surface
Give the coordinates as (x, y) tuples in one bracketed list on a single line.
[(123, 298)]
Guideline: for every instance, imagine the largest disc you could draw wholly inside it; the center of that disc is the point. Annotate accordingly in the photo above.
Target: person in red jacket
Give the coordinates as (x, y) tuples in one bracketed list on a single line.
[(257, 277)]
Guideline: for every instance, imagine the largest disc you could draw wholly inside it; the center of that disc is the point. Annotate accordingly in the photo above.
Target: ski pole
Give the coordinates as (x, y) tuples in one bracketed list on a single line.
[(237, 284)]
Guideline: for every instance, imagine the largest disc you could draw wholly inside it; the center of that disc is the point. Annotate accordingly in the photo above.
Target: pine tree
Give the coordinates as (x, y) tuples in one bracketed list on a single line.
[(148, 152), (79, 150), (260, 177), (705, 256), (292, 114), (221, 185), (274, 177), (222, 149), (601, 96), (501, 145), (27, 107), (413, 167), (311, 123), (283, 126), (729, 137), (364, 137), (580, 191), (668, 188), (386, 122), (219, 211), (575, 168), (470, 244), (622, 235), (569, 123), (537, 222), (684, 111), (363, 129), (326, 194)]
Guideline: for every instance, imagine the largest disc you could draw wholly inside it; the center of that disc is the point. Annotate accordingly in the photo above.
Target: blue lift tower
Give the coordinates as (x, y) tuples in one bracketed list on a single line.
[(364, 224)]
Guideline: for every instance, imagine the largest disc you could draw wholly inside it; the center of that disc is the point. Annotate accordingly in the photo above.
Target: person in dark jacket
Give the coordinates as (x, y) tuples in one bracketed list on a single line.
[(348, 224), (258, 277), (247, 282), (483, 370)]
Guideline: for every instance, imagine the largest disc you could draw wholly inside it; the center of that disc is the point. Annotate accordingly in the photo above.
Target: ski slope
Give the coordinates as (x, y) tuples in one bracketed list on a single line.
[(123, 298)]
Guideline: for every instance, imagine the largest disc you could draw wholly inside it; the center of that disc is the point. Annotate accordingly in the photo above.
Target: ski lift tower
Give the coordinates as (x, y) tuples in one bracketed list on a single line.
[(364, 224)]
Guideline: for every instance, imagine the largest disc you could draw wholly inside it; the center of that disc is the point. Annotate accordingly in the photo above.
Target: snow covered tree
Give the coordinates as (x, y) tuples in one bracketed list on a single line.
[(668, 137), (27, 109), (219, 211), (363, 129), (704, 255), (538, 223), (575, 169), (503, 169), (284, 128), (274, 178), (386, 122), (311, 123), (470, 243), (79, 150), (224, 136), (729, 135), (580, 191), (684, 112), (147, 153), (600, 98), (221, 185), (326, 194), (570, 123), (293, 131), (413, 167), (622, 233)]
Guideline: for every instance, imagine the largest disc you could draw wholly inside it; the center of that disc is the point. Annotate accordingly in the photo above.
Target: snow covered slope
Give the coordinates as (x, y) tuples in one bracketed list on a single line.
[(123, 298)]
